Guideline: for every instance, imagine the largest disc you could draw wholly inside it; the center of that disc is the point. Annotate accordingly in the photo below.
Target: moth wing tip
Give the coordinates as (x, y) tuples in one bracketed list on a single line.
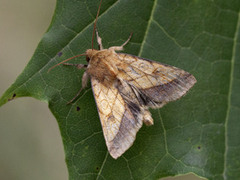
[(115, 154)]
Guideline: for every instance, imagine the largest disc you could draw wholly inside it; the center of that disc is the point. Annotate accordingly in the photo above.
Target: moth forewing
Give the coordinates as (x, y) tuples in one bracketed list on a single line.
[(120, 121), (155, 83)]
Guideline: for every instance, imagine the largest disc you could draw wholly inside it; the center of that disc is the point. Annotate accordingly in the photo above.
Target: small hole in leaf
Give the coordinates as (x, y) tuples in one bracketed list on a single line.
[(78, 108), (97, 168), (199, 147), (60, 54)]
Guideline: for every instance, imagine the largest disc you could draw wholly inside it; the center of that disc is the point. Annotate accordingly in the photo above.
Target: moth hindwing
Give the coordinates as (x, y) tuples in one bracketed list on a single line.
[(124, 87)]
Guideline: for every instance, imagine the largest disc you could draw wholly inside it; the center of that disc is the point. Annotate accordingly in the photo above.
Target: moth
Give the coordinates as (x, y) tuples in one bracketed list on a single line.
[(125, 87)]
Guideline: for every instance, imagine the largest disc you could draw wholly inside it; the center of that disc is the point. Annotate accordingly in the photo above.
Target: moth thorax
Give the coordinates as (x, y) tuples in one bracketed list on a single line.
[(99, 68)]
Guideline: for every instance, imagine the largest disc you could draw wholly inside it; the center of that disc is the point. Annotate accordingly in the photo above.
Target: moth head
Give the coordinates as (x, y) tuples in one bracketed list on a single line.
[(90, 53)]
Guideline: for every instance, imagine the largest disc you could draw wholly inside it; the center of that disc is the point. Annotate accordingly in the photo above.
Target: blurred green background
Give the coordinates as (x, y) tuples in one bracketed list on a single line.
[(30, 142)]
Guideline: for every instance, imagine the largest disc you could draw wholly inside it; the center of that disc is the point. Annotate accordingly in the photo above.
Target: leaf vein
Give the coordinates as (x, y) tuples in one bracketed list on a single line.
[(229, 96)]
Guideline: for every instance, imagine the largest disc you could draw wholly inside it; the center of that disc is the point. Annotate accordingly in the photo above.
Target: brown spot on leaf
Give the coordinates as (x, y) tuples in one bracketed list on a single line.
[(60, 54), (13, 96)]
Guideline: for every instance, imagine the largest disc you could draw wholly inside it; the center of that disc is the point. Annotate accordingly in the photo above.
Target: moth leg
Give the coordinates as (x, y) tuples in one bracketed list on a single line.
[(85, 78), (79, 66), (120, 48), (99, 40)]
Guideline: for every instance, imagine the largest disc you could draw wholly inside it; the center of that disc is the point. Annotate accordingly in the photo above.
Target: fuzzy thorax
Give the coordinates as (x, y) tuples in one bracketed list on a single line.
[(102, 64)]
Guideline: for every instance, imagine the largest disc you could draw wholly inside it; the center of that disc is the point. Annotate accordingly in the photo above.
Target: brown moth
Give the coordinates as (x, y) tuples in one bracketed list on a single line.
[(124, 87)]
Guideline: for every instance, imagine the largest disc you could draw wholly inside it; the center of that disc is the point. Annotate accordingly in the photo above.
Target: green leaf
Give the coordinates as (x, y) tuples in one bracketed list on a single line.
[(198, 133)]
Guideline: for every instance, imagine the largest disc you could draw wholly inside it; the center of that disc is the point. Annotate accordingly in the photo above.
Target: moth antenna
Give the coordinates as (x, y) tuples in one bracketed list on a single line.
[(95, 23), (65, 61)]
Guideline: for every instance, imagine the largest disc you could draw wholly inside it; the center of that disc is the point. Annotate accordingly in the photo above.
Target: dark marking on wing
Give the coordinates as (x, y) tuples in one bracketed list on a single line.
[(157, 96), (170, 91), (135, 109), (127, 132)]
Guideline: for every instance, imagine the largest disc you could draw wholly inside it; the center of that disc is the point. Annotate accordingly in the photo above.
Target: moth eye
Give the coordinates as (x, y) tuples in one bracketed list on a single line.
[(87, 59)]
